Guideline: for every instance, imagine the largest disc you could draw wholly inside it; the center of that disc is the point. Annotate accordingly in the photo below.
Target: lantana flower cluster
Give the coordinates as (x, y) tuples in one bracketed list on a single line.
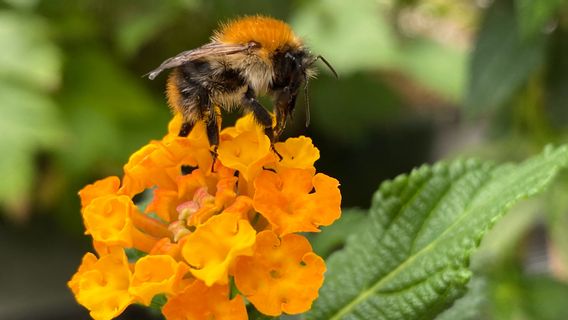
[(215, 235)]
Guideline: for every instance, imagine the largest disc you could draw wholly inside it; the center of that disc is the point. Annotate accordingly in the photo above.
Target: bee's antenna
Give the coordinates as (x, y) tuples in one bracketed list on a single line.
[(320, 57), (306, 96)]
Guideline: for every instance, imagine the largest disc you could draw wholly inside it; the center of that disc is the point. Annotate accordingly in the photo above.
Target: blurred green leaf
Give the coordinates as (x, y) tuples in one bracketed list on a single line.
[(533, 15), (29, 122), (333, 237), (544, 298), (352, 35), (109, 111), (138, 24), (502, 61), (22, 4), (557, 80), (359, 37), (557, 205), (437, 67), (28, 56), (412, 258), (29, 66)]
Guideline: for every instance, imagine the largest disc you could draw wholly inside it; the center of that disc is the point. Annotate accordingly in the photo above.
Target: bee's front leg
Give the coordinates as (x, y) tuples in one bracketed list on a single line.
[(260, 114), (185, 128)]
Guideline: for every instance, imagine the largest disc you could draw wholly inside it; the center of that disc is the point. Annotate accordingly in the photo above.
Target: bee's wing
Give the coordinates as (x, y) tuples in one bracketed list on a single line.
[(210, 49)]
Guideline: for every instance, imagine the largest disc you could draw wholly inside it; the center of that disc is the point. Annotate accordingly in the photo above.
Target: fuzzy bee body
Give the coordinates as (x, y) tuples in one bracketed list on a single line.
[(247, 58)]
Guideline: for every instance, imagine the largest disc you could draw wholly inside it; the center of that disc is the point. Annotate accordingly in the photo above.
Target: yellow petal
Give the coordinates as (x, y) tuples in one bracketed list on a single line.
[(213, 247), (101, 285), (155, 274)]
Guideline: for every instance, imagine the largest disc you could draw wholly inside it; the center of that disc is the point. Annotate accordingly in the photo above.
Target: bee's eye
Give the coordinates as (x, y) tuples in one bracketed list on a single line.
[(254, 45)]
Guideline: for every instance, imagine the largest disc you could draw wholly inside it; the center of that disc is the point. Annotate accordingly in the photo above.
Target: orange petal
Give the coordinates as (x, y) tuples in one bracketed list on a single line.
[(136, 173), (155, 274), (247, 151), (283, 275), (166, 246), (213, 247), (101, 285), (106, 186), (198, 302), (284, 199), (107, 219), (297, 153)]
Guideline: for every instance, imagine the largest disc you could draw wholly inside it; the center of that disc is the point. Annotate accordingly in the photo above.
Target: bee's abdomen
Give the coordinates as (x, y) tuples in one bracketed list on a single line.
[(194, 86)]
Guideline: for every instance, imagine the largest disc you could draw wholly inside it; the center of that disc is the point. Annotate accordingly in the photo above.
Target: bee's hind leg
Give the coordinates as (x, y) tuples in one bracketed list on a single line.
[(212, 129)]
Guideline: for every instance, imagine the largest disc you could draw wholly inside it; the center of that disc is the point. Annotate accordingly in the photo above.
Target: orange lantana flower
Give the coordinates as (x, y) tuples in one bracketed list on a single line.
[(199, 302), (200, 224), (286, 200), (155, 274), (107, 219), (283, 275), (297, 153), (245, 148), (214, 246), (101, 285), (103, 187)]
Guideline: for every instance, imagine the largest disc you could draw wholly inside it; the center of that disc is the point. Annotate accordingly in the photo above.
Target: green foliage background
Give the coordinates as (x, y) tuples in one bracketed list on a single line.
[(419, 81)]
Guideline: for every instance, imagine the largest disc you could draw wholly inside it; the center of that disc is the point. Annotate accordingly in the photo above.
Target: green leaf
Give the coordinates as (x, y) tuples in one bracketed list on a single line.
[(134, 254), (533, 15), (411, 259), (334, 236), (502, 60), (334, 28), (28, 56), (29, 122), (437, 67), (468, 307), (158, 301)]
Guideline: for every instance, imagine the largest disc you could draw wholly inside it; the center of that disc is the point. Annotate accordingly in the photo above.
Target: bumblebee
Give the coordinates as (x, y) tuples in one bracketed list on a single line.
[(245, 58)]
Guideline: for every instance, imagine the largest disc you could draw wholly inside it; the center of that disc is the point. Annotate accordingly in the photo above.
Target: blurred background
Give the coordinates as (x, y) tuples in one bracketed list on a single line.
[(419, 81)]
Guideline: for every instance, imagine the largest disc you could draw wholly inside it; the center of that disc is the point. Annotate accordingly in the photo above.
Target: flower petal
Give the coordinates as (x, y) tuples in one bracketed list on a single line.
[(213, 247), (297, 153), (283, 275), (198, 302), (247, 151), (155, 274), (107, 219), (106, 186), (284, 199), (101, 285)]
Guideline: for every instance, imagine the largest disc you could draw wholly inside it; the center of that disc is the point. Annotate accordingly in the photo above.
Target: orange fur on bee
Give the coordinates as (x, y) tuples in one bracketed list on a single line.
[(270, 33), (172, 92)]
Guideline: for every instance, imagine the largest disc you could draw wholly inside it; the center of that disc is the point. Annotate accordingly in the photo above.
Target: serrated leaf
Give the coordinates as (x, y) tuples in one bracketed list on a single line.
[(411, 259), (334, 236), (468, 307), (502, 60)]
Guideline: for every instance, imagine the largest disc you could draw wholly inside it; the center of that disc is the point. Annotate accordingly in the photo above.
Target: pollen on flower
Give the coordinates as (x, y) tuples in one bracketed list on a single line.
[(200, 224)]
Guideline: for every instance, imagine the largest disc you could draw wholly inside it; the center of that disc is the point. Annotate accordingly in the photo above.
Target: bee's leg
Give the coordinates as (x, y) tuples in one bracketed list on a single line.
[(212, 129), (281, 118), (185, 129), (260, 114)]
